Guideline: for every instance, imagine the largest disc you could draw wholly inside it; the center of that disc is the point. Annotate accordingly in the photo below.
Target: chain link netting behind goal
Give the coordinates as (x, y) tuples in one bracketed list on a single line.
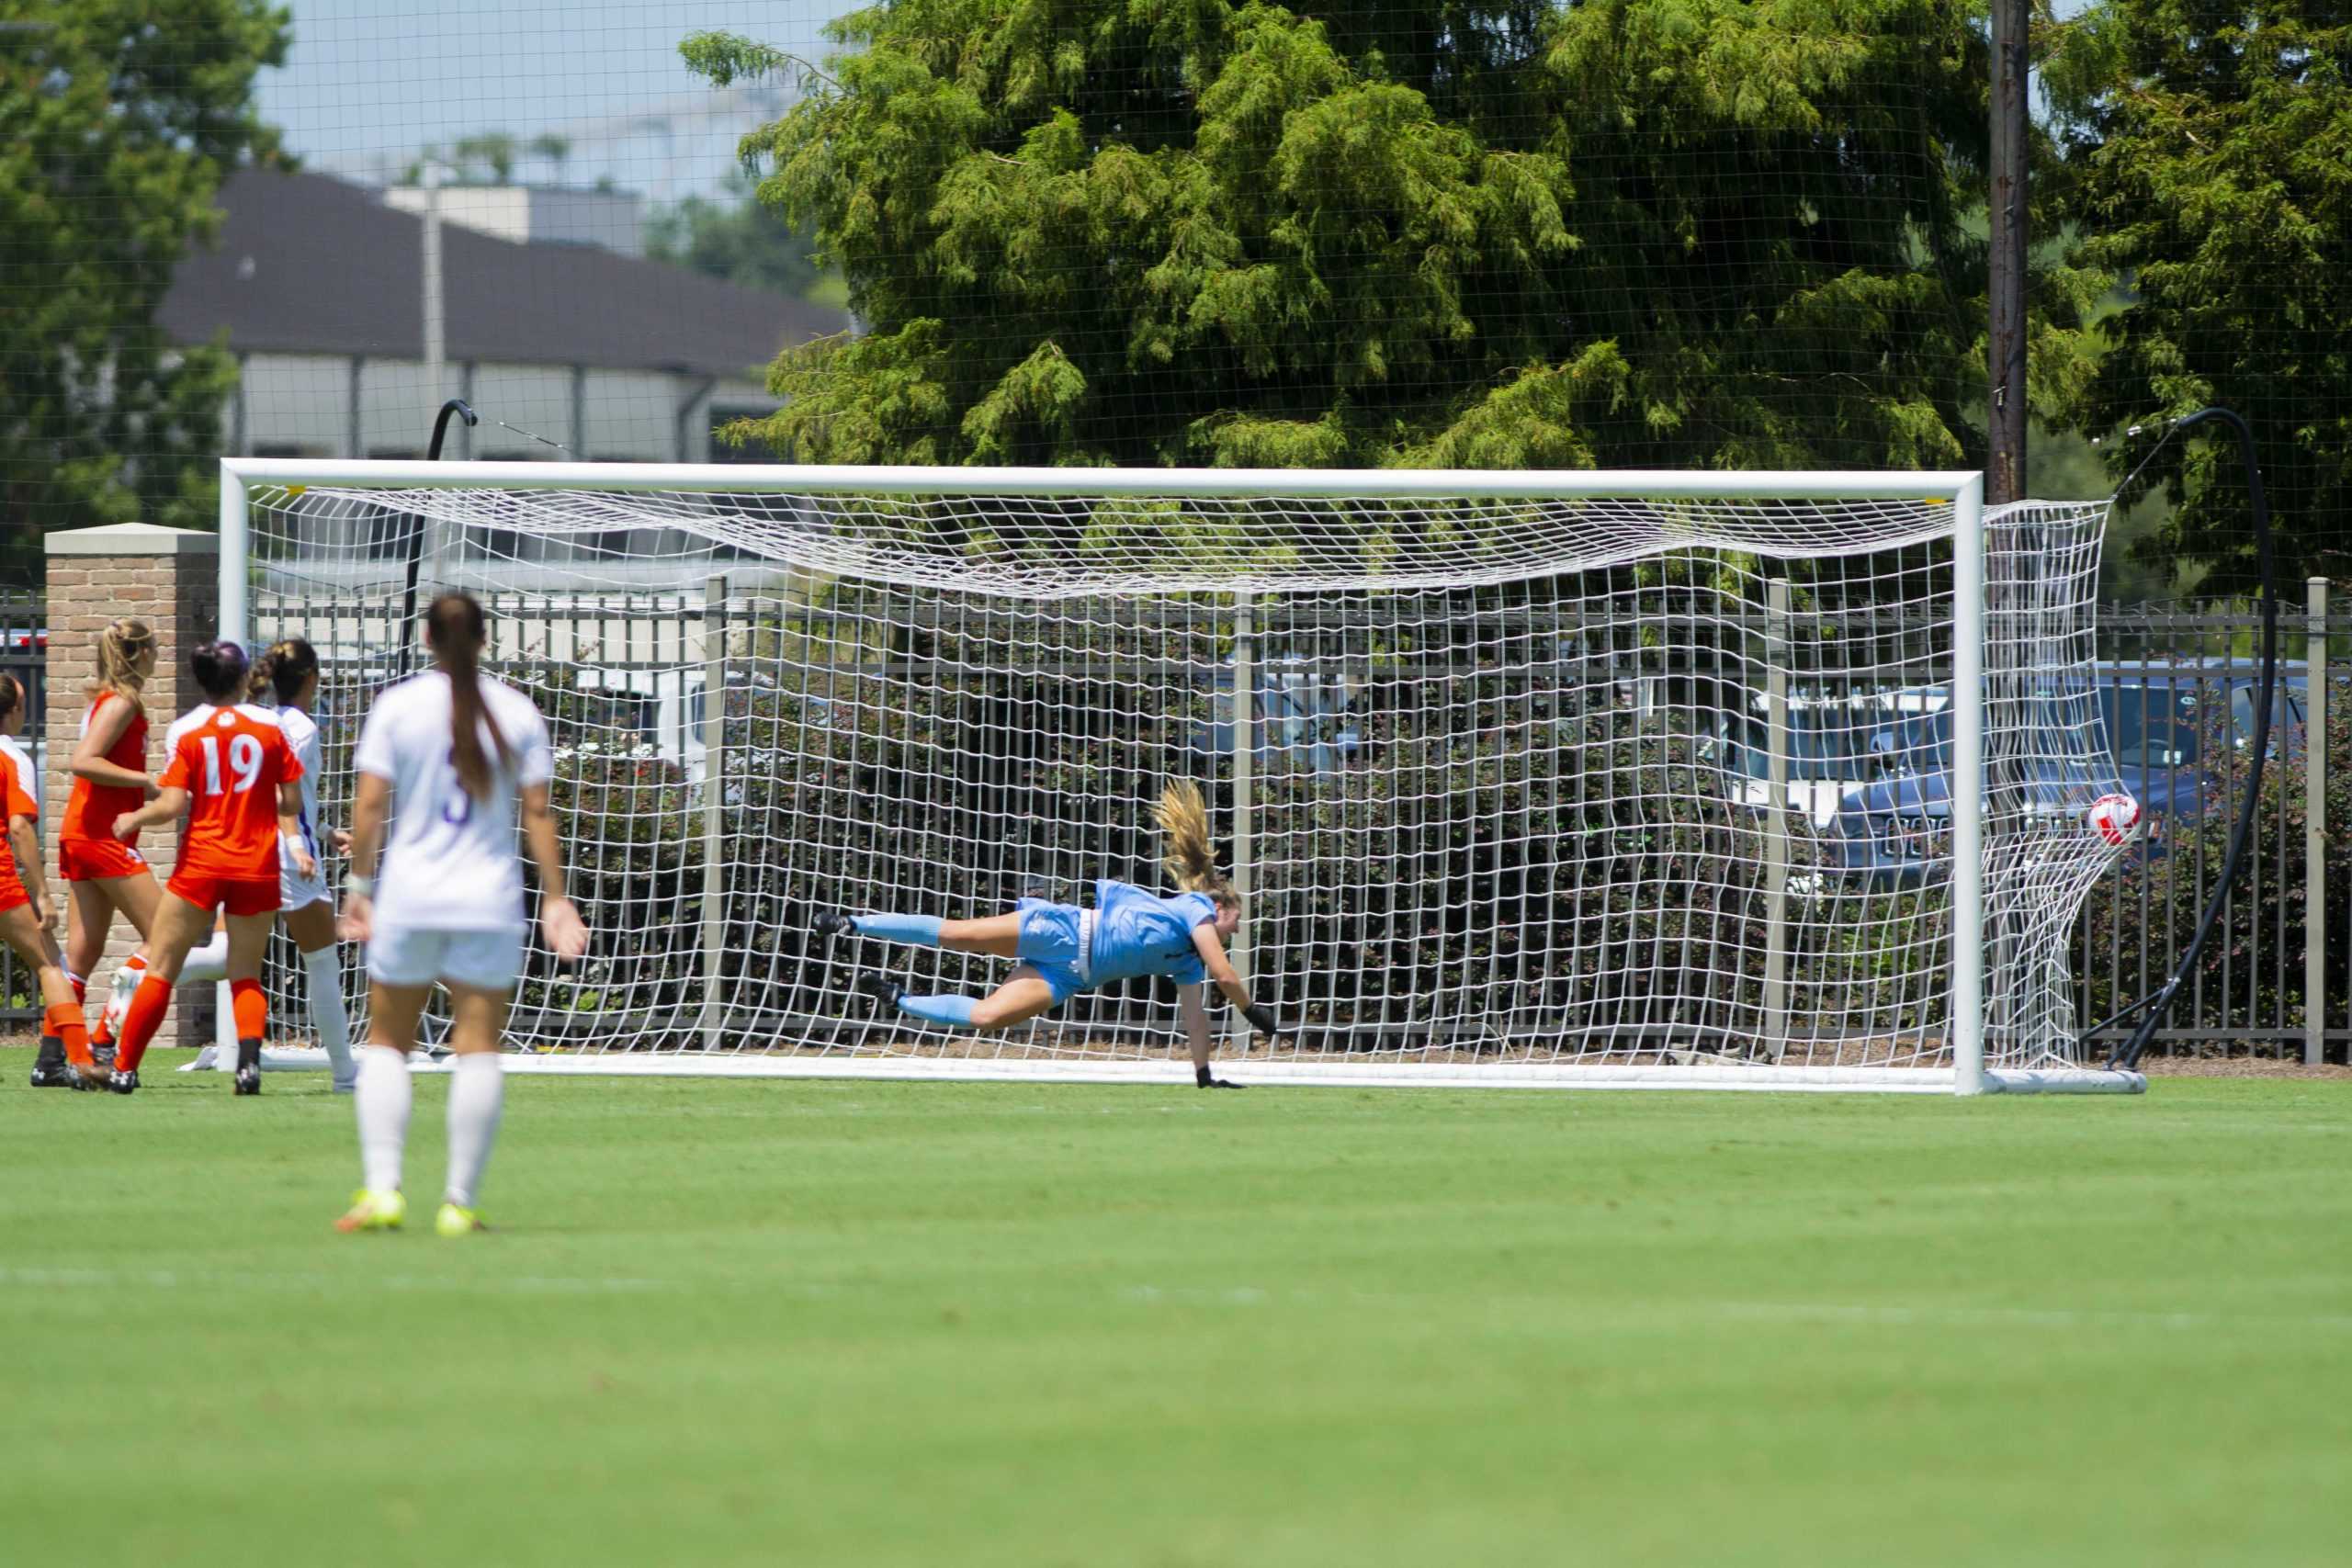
[(1639, 782)]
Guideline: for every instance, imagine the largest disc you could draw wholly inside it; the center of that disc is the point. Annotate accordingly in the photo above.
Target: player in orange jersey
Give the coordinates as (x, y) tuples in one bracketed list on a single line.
[(104, 874), (238, 783), (27, 916)]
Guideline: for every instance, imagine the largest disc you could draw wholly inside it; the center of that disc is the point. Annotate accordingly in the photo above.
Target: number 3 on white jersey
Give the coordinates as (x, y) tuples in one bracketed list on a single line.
[(245, 761)]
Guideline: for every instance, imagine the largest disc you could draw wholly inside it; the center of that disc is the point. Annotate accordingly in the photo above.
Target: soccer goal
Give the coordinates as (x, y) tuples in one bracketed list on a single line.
[(1740, 780)]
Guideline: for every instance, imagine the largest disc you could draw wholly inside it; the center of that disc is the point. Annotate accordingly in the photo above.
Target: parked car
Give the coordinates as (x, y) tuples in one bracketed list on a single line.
[(2155, 718), (1306, 717), (1836, 742)]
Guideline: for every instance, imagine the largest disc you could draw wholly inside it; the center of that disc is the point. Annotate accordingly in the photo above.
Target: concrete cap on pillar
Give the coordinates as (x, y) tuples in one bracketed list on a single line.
[(131, 539)]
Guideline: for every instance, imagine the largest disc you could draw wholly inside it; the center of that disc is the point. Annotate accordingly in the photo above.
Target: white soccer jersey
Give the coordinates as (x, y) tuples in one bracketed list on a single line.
[(303, 734), (451, 864)]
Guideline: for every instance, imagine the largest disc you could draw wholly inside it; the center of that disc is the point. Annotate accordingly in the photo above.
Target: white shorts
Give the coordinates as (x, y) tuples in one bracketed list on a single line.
[(296, 891), (299, 892), (487, 961)]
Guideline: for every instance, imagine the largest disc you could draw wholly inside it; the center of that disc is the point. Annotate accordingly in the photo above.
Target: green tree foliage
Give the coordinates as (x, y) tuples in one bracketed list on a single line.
[(2210, 166), (122, 117), (1669, 232), (742, 241)]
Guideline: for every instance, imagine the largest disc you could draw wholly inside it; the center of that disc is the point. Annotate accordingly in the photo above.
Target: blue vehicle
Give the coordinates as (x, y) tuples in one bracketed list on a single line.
[(2156, 718), (1835, 741), (1306, 716)]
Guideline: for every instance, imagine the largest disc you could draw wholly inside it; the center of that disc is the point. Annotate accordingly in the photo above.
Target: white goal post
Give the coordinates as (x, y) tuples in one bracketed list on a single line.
[(1608, 778)]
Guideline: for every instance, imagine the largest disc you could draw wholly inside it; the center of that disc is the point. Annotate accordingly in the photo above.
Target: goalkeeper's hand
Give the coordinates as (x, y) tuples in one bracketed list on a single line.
[(1206, 1079), (1262, 1018)]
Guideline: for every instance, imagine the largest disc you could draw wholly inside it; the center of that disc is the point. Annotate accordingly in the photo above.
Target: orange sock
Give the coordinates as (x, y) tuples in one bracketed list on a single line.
[(251, 1008), (149, 1006), (64, 1021)]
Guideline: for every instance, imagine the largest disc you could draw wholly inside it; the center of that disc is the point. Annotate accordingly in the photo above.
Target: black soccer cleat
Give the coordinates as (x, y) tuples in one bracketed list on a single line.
[(832, 923), (882, 988), (123, 1080), (51, 1069), (248, 1081)]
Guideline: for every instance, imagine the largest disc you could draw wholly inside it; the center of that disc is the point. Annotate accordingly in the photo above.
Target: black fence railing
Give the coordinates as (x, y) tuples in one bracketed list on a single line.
[(24, 654), (2178, 688)]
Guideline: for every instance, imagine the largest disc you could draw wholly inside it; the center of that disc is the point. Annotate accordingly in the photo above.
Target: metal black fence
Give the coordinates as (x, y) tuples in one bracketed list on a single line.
[(24, 654), (2177, 685), (2180, 687)]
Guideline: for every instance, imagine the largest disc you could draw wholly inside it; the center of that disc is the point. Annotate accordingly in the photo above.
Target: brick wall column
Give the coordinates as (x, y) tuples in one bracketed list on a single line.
[(170, 578)]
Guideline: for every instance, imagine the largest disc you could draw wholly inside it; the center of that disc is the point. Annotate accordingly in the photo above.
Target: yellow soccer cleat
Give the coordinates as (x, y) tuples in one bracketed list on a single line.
[(453, 1221), (373, 1212)]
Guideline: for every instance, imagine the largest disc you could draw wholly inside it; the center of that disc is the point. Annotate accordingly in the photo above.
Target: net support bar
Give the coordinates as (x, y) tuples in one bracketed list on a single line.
[(1968, 788), (1297, 1074), (243, 515), (1536, 485)]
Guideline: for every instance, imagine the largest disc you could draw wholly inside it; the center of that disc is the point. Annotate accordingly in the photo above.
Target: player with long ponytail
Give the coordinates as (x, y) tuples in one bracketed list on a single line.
[(466, 760), (1063, 949), (104, 875), (285, 680)]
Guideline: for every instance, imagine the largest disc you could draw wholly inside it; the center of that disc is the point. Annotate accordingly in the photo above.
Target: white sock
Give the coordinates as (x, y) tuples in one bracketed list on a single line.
[(224, 1028), (382, 1101), (210, 961), (477, 1091), (324, 969)]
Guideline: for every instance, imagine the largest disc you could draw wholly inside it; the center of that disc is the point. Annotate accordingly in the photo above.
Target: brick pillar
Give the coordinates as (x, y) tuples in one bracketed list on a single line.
[(170, 578)]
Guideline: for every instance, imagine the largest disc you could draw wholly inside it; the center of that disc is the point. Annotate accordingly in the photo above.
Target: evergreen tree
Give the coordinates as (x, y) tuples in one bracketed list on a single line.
[(2211, 168), (1655, 232), (739, 240), (122, 117)]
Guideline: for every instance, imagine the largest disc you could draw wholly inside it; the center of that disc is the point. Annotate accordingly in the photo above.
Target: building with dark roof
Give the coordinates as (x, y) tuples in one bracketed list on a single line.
[(317, 285)]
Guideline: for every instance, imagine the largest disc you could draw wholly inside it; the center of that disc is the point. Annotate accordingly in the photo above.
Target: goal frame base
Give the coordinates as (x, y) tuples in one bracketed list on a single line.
[(1289, 1073)]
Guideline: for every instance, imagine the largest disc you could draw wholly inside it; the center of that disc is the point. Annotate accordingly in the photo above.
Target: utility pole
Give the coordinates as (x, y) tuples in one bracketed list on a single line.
[(2005, 475), (435, 309)]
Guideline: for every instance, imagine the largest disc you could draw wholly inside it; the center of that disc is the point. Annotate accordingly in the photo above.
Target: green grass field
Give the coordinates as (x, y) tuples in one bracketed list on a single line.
[(835, 1323)]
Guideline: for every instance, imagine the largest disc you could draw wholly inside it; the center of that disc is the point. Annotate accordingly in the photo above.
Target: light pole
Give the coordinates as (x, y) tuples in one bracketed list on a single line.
[(436, 302), (2005, 424)]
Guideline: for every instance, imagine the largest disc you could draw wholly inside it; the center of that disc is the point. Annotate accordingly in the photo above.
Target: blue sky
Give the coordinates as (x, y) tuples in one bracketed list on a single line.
[(369, 82)]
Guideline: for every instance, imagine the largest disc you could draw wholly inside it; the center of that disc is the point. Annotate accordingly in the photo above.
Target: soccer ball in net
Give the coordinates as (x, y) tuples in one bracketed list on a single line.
[(2116, 817)]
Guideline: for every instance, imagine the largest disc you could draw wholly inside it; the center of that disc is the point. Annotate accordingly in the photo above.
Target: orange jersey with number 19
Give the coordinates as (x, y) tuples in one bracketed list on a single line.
[(230, 761)]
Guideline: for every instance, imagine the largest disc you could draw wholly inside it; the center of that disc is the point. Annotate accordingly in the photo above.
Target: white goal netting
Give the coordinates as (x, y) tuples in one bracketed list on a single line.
[(1640, 782)]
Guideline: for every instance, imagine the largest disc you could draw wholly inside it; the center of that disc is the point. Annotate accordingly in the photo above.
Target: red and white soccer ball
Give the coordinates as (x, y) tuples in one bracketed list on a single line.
[(2116, 818)]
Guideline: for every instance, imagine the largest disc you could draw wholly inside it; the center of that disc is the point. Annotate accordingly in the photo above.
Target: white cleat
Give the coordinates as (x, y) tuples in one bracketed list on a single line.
[(119, 991)]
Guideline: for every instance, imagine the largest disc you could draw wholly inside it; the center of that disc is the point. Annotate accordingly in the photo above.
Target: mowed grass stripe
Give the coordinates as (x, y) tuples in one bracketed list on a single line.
[(880, 1323)]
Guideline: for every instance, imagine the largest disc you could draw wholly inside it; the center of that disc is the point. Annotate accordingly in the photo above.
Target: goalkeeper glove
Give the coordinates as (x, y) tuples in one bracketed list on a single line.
[(1262, 1018), (1208, 1079)]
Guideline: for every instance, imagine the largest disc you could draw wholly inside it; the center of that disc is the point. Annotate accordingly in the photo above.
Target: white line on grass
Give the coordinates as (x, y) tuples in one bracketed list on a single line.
[(1651, 1314), (357, 1284)]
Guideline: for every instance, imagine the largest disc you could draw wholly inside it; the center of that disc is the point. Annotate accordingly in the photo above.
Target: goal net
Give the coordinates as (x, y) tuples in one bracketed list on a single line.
[(1760, 780)]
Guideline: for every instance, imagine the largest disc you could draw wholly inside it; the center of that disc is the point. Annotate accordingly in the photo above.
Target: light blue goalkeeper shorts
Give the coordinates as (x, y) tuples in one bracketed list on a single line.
[(1054, 942)]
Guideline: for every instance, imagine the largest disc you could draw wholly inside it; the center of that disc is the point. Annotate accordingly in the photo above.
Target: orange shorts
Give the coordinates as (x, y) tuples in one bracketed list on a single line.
[(230, 894), (97, 860), (12, 892)]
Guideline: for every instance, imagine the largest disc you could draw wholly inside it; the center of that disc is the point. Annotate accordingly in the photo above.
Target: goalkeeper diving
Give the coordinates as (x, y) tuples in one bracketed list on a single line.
[(1063, 949)]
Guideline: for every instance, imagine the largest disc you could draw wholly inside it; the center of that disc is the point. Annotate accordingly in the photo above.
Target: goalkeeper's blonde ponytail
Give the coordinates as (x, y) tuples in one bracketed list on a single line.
[(1192, 858)]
